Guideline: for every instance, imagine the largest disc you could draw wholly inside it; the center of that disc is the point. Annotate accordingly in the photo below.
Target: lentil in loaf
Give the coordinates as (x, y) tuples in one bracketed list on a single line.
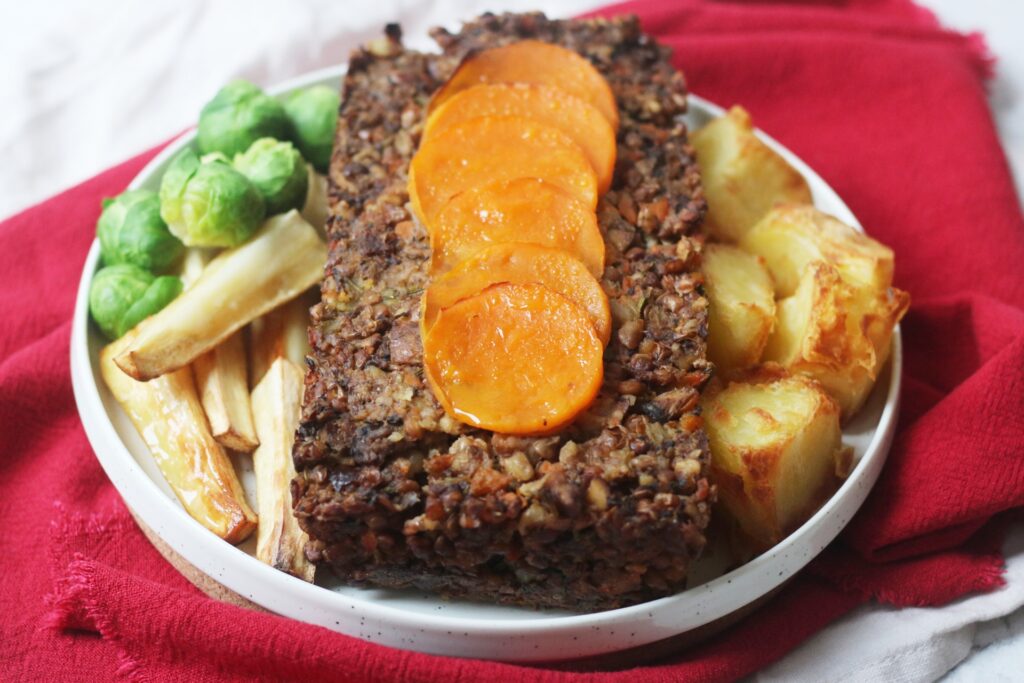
[(609, 511)]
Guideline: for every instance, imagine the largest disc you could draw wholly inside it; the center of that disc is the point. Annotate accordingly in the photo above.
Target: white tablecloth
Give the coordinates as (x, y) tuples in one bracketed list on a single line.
[(85, 85)]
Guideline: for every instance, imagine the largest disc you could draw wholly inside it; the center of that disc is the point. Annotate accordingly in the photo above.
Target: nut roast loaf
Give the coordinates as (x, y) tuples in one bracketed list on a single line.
[(608, 511)]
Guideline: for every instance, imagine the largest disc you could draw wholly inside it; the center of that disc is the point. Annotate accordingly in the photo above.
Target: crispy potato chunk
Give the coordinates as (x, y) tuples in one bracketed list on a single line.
[(790, 237), (742, 311), (743, 177), (836, 333), (775, 450)]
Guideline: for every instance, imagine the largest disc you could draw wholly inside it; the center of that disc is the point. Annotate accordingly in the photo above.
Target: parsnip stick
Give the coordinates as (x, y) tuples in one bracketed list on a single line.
[(315, 208), (193, 264), (276, 400), (296, 327), (281, 333), (167, 414), (285, 258), (223, 386), (265, 344)]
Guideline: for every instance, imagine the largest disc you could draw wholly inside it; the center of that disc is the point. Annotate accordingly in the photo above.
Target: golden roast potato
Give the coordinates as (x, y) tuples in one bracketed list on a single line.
[(789, 237), (776, 453), (742, 306), (743, 177), (835, 332)]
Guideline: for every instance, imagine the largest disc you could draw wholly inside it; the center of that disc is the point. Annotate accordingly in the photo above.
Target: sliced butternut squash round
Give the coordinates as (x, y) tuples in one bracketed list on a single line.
[(533, 61), (557, 270), (547, 104), (493, 148), (515, 358), (524, 210)]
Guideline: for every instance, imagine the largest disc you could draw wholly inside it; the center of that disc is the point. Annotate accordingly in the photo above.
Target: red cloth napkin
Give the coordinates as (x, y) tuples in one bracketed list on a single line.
[(887, 106)]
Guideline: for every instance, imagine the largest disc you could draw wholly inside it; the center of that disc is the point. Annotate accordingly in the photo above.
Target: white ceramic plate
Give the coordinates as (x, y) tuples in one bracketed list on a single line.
[(417, 621)]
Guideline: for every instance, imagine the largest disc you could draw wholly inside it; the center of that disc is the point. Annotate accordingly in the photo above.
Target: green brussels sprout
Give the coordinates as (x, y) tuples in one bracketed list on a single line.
[(314, 115), (214, 156), (123, 295), (278, 171), (238, 115), (131, 231), (208, 203), (163, 291)]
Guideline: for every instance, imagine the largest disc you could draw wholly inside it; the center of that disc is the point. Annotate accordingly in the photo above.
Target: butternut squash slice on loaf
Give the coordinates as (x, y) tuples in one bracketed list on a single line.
[(516, 359), (532, 61), (557, 270), (492, 148), (545, 104), (523, 210)]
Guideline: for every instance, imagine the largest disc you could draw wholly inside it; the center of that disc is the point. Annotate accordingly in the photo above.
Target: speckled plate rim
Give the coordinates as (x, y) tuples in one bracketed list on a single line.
[(539, 637)]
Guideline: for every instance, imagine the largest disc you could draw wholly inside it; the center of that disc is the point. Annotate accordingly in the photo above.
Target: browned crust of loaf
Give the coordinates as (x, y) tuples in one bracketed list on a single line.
[(393, 492)]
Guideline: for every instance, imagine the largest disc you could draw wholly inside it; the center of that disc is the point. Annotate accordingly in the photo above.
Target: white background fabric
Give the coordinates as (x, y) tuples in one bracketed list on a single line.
[(84, 85)]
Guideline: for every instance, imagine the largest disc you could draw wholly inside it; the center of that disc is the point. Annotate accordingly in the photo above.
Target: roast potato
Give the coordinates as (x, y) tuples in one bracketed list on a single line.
[(742, 306), (743, 177), (836, 332), (791, 236), (776, 453)]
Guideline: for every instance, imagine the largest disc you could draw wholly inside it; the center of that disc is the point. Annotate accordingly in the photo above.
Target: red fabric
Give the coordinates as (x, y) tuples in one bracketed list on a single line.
[(889, 108)]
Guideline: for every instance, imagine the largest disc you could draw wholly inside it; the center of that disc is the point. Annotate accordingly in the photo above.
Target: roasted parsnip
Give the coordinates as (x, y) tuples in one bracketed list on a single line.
[(167, 414), (285, 258), (223, 385), (193, 263), (276, 402), (281, 333), (315, 208)]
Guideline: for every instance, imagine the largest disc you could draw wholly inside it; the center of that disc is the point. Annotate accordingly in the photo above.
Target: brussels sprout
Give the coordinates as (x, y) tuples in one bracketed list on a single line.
[(131, 231), (278, 171), (314, 115), (238, 115), (214, 156), (123, 294), (163, 291), (208, 203)]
